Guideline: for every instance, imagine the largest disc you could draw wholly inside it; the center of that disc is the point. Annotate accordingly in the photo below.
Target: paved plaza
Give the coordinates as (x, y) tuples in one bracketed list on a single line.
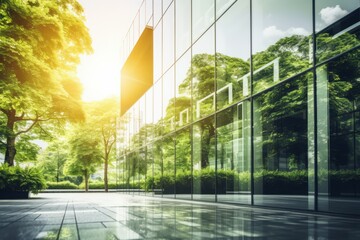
[(119, 216)]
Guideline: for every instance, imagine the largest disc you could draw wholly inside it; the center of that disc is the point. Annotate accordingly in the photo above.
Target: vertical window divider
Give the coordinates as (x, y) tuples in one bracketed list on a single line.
[(251, 112), (174, 90), (316, 190), (191, 105), (215, 107)]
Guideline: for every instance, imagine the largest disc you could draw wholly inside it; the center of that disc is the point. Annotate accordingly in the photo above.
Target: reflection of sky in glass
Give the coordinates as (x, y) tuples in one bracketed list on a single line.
[(157, 101), (183, 26), (149, 106), (182, 67), (233, 31), (202, 16), (269, 25), (222, 5), (166, 4), (157, 52), (157, 11), (168, 89), (329, 11), (142, 111), (205, 43), (168, 38)]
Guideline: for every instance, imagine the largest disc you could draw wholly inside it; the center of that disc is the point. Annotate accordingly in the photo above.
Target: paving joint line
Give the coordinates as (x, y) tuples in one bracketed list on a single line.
[(62, 221), (76, 222)]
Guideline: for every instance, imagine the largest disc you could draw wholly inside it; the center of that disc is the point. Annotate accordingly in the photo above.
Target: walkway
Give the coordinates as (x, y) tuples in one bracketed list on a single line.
[(118, 216)]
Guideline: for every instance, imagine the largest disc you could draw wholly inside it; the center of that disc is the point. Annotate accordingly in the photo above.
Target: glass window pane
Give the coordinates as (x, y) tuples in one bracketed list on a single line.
[(183, 26), (149, 183), (158, 109), (338, 93), (149, 116), (169, 101), (157, 11), (281, 48), (183, 181), (233, 55), (203, 143), (136, 27), (223, 5), (168, 155), (142, 17), (142, 126), (337, 27), (233, 154), (166, 4), (168, 38), (133, 159), (158, 52), (134, 121), (131, 35), (281, 157), (202, 17), (158, 169), (183, 90), (142, 170), (203, 70), (149, 11)]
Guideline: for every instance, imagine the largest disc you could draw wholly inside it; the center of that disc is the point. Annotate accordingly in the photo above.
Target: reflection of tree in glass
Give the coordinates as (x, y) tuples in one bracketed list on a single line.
[(283, 109), (283, 124), (344, 95), (293, 53)]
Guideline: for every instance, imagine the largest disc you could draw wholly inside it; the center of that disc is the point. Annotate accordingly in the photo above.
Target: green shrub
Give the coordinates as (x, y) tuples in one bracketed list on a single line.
[(342, 182), (19, 179), (281, 182), (100, 185), (61, 185)]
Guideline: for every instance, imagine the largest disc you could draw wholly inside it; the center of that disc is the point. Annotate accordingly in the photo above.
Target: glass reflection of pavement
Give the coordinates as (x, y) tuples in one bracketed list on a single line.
[(118, 216)]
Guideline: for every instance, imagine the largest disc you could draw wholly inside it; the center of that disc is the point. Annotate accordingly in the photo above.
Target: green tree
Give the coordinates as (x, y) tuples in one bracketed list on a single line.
[(102, 117), (85, 153), (40, 43), (52, 160)]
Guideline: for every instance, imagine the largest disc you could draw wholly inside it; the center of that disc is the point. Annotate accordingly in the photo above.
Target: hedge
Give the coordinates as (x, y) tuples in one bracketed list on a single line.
[(342, 182), (62, 185)]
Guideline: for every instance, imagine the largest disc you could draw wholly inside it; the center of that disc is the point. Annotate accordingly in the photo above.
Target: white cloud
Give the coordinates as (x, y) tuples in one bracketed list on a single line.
[(297, 31), (274, 33), (331, 14)]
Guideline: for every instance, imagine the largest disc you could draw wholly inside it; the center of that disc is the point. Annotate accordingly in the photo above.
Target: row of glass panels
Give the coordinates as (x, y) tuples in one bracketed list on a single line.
[(209, 77), (191, 134), (211, 160)]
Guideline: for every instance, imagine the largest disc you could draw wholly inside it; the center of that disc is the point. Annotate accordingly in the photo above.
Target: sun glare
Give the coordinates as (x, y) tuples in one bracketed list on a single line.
[(108, 22), (100, 79)]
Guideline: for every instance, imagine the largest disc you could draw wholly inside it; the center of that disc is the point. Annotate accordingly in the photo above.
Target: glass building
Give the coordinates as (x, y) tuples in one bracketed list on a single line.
[(251, 102)]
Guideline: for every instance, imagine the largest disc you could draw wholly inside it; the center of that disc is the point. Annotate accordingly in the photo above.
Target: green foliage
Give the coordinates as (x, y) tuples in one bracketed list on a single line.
[(85, 152), (266, 182), (61, 185), (21, 179), (100, 185), (40, 46), (52, 160), (26, 150)]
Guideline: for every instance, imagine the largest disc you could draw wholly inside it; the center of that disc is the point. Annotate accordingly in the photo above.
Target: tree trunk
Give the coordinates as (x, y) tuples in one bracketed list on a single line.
[(58, 168), (106, 163), (86, 181), (10, 139)]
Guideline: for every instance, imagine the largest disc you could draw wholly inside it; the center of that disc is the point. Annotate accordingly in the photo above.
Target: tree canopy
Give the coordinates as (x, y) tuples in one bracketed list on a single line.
[(40, 44)]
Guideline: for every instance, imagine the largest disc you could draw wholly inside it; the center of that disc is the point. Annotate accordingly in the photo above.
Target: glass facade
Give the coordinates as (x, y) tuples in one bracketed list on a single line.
[(254, 102)]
